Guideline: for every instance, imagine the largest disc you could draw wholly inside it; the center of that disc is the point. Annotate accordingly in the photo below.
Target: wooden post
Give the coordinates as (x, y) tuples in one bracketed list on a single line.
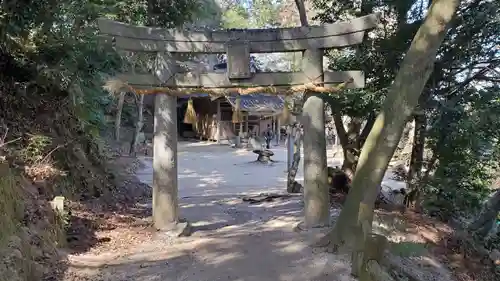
[(259, 128), (241, 128), (219, 117), (138, 136), (246, 125), (118, 118), (275, 129), (278, 141), (316, 197), (290, 146), (165, 189)]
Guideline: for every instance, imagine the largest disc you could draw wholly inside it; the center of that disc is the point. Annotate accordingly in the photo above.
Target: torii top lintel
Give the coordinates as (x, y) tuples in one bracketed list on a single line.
[(148, 39)]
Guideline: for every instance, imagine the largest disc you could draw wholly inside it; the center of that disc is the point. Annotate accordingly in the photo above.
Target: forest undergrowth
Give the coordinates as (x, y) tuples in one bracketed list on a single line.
[(45, 151)]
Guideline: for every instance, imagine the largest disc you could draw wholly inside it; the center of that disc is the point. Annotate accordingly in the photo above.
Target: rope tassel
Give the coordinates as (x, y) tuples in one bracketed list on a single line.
[(285, 116), (237, 114), (190, 116)]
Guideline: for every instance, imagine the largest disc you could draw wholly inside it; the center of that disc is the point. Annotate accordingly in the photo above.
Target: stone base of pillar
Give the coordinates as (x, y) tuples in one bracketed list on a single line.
[(179, 229), (312, 234)]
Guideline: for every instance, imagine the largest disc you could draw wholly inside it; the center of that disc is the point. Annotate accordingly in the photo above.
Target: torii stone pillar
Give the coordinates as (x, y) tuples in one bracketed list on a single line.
[(316, 195), (165, 181)]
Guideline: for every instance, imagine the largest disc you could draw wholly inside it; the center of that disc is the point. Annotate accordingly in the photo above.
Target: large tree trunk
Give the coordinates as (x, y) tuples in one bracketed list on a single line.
[(412, 199), (383, 139)]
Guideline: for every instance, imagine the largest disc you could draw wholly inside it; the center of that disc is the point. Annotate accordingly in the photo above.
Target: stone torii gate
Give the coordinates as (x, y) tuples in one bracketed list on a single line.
[(168, 83)]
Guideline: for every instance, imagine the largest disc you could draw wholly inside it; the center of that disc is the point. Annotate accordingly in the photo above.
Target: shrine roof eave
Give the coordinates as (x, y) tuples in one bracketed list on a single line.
[(258, 103), (254, 104)]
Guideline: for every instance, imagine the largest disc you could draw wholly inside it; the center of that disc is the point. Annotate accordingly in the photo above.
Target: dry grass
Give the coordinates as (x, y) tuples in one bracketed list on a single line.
[(30, 229), (11, 205), (42, 171)]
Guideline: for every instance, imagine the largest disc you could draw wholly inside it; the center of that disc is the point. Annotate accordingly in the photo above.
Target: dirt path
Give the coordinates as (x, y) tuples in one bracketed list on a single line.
[(236, 241), (232, 239)]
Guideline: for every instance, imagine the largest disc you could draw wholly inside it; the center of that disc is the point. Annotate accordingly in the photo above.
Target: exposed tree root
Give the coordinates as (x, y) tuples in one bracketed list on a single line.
[(332, 242), (401, 270), (264, 198), (376, 272)]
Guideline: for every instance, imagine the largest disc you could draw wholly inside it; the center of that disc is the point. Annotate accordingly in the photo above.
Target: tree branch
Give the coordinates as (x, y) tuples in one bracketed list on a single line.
[(366, 129), (341, 132), (450, 91), (302, 12), (489, 79)]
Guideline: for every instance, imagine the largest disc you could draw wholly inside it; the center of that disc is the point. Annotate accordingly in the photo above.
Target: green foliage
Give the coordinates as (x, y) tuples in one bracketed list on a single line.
[(35, 149), (408, 249), (492, 241), (236, 17), (465, 139), (59, 39), (378, 57), (461, 105), (464, 110), (265, 13), (251, 14), (52, 72)]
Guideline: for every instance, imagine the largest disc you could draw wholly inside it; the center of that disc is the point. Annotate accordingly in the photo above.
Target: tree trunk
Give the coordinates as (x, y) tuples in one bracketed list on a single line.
[(138, 126), (406, 140), (351, 150), (366, 130), (292, 185), (382, 141), (366, 263), (289, 146), (354, 137), (352, 140), (301, 7), (118, 117), (412, 199)]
